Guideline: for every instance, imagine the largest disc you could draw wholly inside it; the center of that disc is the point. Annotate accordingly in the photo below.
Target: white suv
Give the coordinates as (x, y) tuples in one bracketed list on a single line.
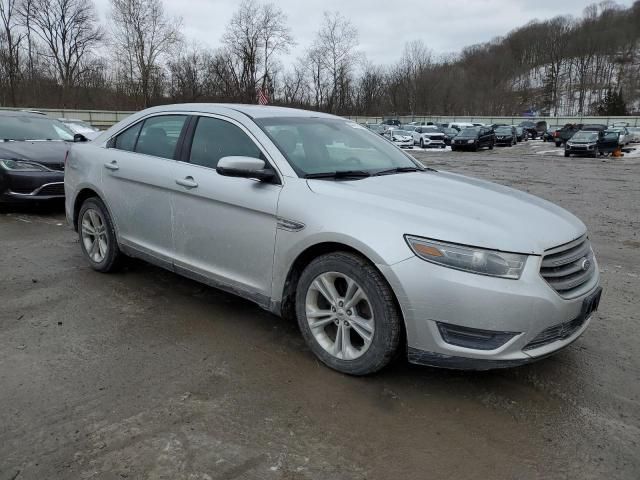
[(428, 136)]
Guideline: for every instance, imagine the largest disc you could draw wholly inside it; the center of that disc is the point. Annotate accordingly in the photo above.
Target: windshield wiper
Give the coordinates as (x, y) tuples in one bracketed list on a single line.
[(391, 171), (339, 174)]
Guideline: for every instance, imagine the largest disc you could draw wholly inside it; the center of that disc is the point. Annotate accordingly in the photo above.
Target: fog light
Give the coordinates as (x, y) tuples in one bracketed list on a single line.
[(473, 337)]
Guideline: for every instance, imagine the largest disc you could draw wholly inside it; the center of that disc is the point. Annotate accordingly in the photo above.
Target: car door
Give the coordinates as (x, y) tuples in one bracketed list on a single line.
[(225, 227), (138, 182)]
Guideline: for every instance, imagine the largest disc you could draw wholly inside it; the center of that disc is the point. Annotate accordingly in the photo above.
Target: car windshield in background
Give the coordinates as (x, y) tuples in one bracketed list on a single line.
[(33, 128), (470, 132), (401, 133), (585, 137), (504, 131), (319, 145)]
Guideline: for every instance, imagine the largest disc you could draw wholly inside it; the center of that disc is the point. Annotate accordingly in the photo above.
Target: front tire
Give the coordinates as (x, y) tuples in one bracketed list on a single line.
[(421, 143), (347, 314), (97, 236)]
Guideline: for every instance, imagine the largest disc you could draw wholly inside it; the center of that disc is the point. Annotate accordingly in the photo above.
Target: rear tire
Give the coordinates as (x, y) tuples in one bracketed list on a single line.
[(371, 324), (98, 237), (567, 154), (558, 144)]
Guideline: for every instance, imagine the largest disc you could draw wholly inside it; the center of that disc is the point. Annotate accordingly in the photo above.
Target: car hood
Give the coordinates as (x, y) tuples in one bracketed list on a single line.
[(458, 209), (402, 138), (49, 153)]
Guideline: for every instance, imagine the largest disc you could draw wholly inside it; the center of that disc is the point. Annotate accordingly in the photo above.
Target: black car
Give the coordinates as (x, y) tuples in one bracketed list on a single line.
[(548, 135), (522, 135), (392, 122), (32, 154), (530, 127), (592, 143), (506, 135), (449, 133), (474, 138), (564, 134)]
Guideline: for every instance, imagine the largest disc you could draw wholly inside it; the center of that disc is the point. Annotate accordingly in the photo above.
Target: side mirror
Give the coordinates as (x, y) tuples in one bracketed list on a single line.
[(244, 167), (78, 137)]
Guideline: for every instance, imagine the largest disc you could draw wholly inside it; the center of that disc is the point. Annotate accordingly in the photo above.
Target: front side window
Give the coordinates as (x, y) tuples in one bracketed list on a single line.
[(127, 139), (215, 139), (320, 145), (159, 135)]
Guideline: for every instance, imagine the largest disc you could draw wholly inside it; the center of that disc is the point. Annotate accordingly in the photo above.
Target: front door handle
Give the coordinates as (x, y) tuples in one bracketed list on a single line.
[(112, 166), (187, 182)]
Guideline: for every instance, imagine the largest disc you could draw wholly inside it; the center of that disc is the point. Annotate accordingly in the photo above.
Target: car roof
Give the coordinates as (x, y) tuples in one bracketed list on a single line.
[(252, 111), (16, 113)]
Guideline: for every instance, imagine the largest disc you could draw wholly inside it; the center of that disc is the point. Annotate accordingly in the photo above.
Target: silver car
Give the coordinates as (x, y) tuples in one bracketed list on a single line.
[(316, 217)]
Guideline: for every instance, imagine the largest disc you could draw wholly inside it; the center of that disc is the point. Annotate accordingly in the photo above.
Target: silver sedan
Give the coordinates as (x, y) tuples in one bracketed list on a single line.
[(317, 218)]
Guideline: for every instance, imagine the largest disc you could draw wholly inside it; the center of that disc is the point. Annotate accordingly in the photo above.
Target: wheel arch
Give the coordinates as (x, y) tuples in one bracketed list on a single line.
[(287, 302), (84, 194)]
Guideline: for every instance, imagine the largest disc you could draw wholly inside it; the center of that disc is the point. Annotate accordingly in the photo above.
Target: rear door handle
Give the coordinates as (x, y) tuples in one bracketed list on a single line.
[(112, 166), (187, 182)]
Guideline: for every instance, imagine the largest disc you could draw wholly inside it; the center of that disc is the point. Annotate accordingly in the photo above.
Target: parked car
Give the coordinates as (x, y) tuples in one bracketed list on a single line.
[(535, 129), (564, 134), (549, 134), (449, 134), (377, 128), (624, 137), (32, 153), (583, 142), (474, 138), (79, 126), (506, 135), (522, 135), (401, 138), (634, 134), (392, 122), (460, 125), (428, 137), (276, 205), (592, 142)]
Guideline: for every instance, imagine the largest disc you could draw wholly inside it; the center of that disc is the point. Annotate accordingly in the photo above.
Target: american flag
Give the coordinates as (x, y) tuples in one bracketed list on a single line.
[(262, 98)]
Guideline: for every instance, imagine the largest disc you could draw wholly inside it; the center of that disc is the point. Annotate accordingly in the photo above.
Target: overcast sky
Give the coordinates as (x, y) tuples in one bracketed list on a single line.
[(384, 26)]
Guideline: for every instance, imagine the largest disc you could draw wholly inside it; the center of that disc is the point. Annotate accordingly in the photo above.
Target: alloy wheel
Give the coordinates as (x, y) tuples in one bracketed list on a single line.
[(339, 315), (94, 235)]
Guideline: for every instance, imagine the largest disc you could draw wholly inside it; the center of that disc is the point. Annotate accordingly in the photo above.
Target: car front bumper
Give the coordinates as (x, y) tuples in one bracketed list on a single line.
[(19, 187), (429, 294)]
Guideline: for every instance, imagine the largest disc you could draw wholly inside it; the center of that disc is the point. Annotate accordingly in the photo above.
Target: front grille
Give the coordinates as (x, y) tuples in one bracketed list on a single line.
[(555, 333), (52, 189), (567, 267), (436, 137)]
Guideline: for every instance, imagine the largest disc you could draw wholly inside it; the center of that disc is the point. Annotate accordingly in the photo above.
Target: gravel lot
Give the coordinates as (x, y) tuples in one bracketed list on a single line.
[(143, 374)]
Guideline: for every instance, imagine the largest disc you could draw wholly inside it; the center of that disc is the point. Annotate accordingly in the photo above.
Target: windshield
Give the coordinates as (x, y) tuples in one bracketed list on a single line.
[(318, 145), (33, 128), (585, 137), (400, 133), (504, 131), (469, 132)]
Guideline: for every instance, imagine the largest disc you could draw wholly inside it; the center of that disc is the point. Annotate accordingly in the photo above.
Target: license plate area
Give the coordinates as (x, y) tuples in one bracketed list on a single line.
[(591, 304)]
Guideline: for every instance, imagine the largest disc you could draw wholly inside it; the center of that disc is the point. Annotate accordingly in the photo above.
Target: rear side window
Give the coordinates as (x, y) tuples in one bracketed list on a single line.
[(159, 135), (127, 139), (215, 138)]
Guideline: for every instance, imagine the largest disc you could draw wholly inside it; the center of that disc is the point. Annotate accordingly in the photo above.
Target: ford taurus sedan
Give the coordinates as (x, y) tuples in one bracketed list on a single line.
[(316, 217)]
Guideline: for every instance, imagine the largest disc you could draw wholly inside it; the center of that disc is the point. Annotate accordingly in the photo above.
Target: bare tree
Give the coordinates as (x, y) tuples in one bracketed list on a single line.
[(256, 34), (70, 32), (10, 42), (142, 36), (334, 51)]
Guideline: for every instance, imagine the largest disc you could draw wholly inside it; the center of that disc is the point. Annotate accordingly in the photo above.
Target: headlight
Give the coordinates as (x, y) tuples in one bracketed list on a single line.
[(470, 141), (469, 259), (22, 166)]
